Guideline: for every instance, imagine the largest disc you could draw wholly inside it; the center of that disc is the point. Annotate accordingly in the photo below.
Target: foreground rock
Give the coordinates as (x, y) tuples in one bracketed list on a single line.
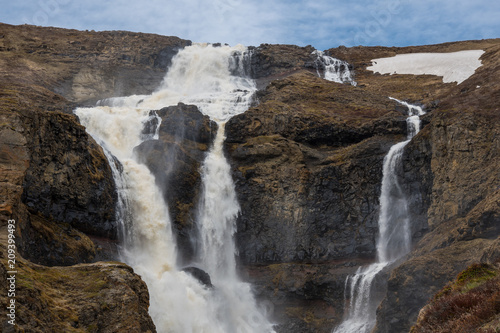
[(89, 298)]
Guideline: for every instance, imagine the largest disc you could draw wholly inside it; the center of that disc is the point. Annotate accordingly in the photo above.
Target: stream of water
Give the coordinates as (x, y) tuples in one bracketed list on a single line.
[(394, 240), (214, 79)]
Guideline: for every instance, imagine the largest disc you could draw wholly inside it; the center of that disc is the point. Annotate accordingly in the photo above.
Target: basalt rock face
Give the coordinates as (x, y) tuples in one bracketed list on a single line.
[(303, 164), (175, 159), (58, 184), (69, 178), (270, 62), (307, 163)]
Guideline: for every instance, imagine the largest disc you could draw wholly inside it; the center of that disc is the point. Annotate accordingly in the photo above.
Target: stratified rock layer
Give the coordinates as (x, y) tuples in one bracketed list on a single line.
[(307, 164)]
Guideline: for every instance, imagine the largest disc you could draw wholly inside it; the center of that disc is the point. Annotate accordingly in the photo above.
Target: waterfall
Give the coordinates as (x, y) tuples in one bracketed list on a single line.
[(215, 80), (333, 69), (394, 240)]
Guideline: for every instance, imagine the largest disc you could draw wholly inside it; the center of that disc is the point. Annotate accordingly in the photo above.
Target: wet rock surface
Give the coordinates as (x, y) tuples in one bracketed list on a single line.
[(68, 178), (185, 135)]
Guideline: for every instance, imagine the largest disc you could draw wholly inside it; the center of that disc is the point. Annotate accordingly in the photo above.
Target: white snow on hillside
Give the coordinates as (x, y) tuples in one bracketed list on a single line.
[(453, 66)]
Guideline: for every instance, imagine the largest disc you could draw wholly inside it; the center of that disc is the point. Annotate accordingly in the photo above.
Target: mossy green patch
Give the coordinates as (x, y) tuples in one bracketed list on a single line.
[(474, 276)]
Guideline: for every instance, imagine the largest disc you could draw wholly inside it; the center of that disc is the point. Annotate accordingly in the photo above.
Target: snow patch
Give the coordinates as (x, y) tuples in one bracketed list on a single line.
[(453, 66)]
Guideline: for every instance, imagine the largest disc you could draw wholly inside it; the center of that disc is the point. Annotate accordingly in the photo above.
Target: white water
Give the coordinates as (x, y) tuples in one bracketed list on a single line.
[(213, 79), (394, 239), (334, 69)]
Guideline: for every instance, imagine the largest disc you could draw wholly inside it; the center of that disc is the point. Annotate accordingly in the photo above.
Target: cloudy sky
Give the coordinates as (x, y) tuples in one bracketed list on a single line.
[(321, 23)]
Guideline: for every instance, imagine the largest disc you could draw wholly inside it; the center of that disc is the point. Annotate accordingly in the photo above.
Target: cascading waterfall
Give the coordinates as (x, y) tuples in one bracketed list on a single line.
[(213, 78), (333, 69), (394, 239)]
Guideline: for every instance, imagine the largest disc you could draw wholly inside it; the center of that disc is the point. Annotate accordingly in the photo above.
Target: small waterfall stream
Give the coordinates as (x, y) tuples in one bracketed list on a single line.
[(333, 69), (215, 80), (394, 239)]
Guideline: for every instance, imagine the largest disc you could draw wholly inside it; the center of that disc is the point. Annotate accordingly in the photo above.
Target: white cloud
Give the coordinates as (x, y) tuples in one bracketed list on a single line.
[(322, 23)]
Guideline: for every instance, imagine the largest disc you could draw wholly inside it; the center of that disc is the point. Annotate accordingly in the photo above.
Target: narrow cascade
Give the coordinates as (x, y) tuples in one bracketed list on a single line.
[(215, 80), (394, 239), (333, 69)]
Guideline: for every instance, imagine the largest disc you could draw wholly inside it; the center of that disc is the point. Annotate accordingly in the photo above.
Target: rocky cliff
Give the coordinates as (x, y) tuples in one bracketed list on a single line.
[(306, 160), (56, 182)]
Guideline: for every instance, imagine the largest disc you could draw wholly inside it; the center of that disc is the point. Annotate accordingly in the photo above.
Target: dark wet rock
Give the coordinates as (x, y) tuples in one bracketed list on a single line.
[(199, 275), (68, 178), (307, 163), (175, 159)]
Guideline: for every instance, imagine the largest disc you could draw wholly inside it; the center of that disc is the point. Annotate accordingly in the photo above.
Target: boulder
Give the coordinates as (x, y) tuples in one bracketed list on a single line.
[(200, 275)]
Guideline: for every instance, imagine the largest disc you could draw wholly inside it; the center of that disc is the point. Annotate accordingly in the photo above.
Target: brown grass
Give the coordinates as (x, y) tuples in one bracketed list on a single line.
[(466, 305)]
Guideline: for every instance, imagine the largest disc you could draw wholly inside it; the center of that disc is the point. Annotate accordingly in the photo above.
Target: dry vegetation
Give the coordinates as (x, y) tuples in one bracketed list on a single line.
[(471, 303)]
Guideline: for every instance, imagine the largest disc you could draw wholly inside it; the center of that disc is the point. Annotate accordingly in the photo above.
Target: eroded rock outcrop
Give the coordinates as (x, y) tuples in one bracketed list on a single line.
[(57, 182), (277, 148), (309, 157), (308, 165), (175, 159)]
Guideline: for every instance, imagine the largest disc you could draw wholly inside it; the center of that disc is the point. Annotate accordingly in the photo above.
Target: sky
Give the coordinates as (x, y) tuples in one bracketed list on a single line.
[(321, 23)]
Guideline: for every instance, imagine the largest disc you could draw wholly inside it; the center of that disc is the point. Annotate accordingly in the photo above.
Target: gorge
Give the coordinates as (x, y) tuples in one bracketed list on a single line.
[(300, 176)]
